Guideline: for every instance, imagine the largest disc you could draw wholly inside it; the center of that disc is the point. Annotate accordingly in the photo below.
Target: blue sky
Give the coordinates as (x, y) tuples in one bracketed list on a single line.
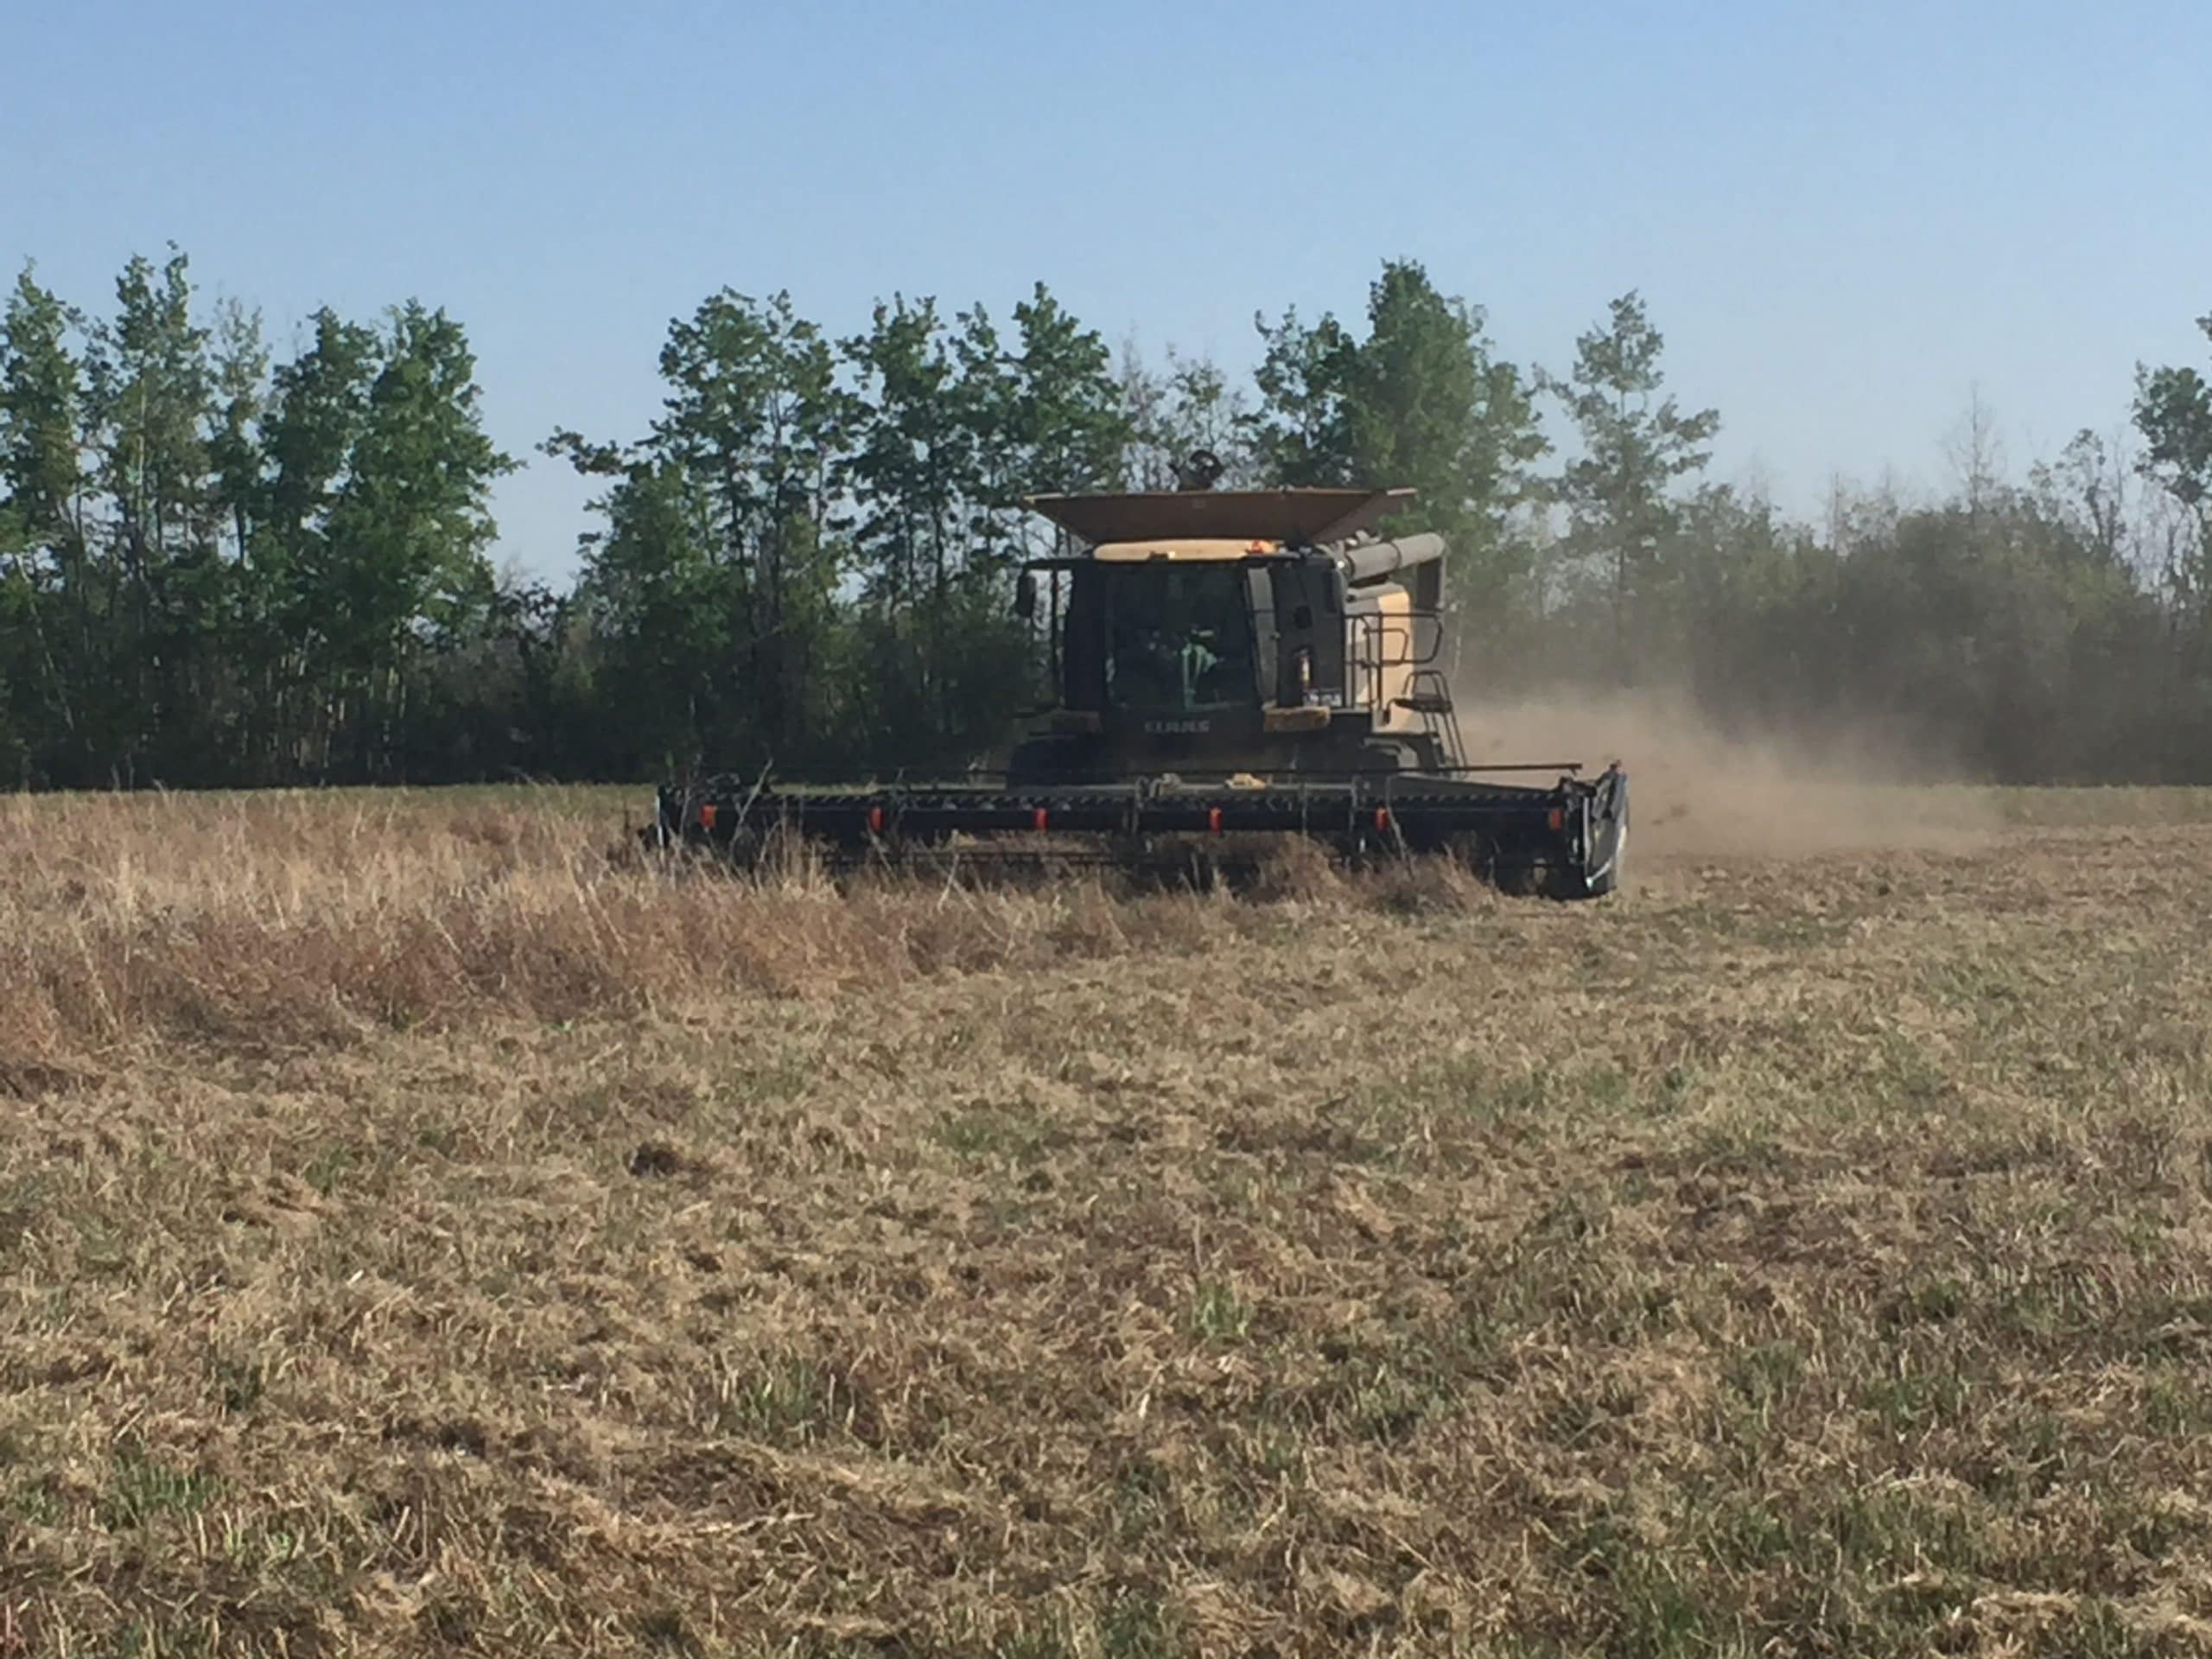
[(1845, 218)]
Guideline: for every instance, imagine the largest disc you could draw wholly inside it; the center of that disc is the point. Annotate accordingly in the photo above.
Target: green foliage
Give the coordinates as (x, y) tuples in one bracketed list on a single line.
[(657, 617), (914, 478), (1421, 401), (755, 424), (318, 405), (1618, 491), (1303, 431), (239, 366), (19, 669), (222, 572), (53, 656), (400, 565), (143, 1486), (1063, 422), (1220, 1316), (222, 563), (42, 399), (2173, 412), (1431, 406), (809, 557)]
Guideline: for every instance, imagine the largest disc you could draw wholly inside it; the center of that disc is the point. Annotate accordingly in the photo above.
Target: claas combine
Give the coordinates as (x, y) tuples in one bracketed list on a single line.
[(1229, 668)]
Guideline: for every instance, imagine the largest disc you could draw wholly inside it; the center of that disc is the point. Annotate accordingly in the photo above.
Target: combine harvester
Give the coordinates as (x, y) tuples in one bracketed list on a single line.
[(1230, 669)]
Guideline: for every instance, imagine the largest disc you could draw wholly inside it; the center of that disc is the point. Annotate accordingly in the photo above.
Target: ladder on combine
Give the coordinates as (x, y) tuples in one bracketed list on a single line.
[(1429, 695)]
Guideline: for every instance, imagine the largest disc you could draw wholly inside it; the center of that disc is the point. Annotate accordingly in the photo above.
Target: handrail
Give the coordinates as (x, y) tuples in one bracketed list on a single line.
[(1371, 632)]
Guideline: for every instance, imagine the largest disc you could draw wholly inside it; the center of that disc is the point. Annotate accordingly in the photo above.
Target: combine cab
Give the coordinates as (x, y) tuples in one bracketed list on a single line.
[(1229, 668)]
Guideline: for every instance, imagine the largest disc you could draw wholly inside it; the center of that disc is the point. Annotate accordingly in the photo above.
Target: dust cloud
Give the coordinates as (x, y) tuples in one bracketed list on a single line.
[(1695, 790)]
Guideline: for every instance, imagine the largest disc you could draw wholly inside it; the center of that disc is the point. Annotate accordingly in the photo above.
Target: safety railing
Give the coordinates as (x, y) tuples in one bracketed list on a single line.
[(1379, 643)]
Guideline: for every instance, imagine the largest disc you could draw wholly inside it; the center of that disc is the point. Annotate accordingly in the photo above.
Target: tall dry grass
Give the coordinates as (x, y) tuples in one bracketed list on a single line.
[(298, 918)]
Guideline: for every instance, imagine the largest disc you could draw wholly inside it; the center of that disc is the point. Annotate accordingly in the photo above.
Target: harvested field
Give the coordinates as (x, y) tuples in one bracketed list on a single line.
[(424, 1232)]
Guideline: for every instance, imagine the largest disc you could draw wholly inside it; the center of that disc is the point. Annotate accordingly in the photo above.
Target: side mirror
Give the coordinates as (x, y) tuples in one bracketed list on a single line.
[(1025, 595)]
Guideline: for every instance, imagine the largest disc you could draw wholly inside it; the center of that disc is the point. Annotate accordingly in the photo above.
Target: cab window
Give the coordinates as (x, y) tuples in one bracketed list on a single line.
[(1179, 639)]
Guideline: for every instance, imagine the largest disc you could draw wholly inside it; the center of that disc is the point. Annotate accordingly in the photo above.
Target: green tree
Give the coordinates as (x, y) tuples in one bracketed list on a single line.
[(1421, 400), (911, 465), (319, 404), (989, 415), (660, 612), (152, 392), (1619, 491), (1061, 422), (317, 407), (239, 366), (1432, 406), (402, 564), (755, 415), (2086, 490), (151, 400), (2173, 411), (1045, 417), (747, 459), (22, 664), (41, 398), (54, 672), (911, 475), (1303, 429)]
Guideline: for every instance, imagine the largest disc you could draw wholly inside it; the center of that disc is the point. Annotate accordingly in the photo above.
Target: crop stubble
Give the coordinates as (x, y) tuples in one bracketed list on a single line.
[(421, 1232)]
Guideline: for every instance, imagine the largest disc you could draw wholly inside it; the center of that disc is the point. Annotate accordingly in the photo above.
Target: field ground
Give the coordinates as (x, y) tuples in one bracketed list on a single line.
[(420, 1233)]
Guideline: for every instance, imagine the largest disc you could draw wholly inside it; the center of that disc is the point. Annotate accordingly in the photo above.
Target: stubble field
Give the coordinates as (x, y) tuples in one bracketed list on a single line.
[(422, 1232)]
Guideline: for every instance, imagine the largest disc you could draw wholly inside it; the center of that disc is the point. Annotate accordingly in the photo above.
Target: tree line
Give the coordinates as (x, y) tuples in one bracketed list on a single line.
[(222, 565)]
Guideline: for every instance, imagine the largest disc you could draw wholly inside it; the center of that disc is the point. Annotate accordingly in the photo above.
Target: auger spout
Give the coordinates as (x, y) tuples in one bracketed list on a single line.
[(1372, 561)]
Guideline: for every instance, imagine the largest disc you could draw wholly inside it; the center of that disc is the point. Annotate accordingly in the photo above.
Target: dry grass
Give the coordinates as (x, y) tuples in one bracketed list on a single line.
[(421, 1232)]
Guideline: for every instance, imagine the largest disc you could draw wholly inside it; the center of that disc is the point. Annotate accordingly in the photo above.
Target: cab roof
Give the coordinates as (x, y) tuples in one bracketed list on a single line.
[(1294, 518)]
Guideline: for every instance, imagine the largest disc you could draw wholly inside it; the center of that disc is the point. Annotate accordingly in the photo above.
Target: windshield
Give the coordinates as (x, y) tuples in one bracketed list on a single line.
[(1179, 639)]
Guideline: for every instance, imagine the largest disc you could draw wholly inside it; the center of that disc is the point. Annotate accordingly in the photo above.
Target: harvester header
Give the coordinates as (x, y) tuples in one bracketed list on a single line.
[(1228, 668)]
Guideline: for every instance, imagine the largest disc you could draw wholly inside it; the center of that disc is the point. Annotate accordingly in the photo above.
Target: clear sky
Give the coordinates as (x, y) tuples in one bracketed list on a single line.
[(1844, 217)]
